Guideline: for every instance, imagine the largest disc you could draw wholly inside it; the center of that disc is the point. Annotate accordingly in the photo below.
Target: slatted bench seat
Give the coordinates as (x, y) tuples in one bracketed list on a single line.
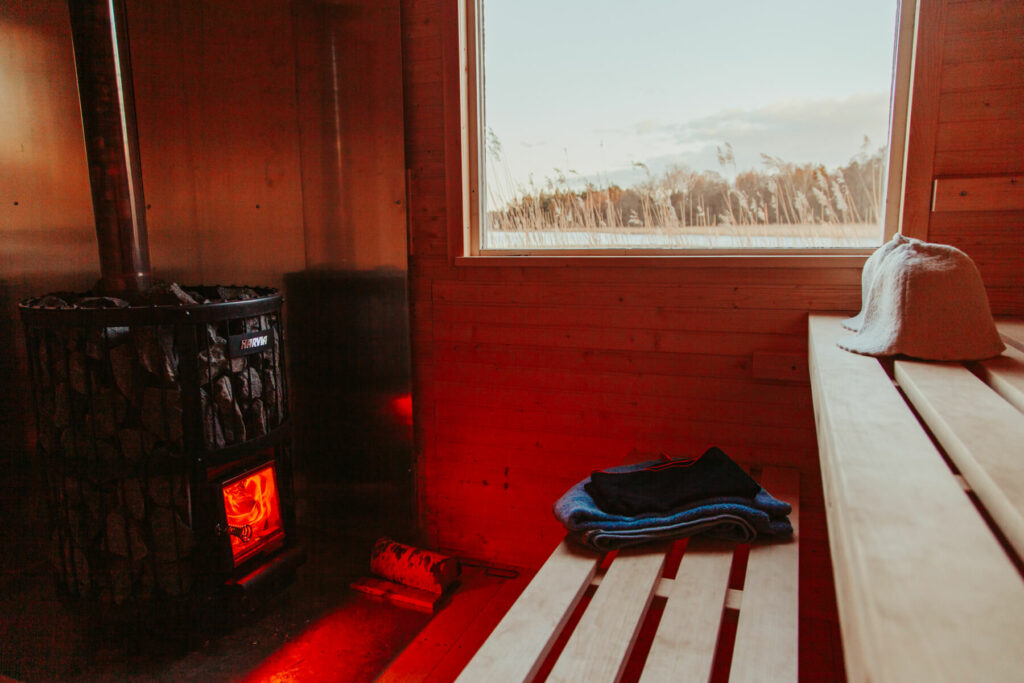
[(696, 600), (923, 480)]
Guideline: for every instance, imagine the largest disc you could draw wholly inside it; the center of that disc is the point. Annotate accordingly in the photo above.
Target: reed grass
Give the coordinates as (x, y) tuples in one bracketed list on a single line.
[(778, 202)]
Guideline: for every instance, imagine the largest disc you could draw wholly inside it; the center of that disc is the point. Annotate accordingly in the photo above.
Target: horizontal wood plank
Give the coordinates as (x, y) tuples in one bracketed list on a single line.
[(599, 647), (767, 633), (518, 645), (925, 591), (1012, 332), (982, 75), (978, 135), (693, 296), (979, 46), (993, 193), (640, 317), (980, 105), (982, 434), (684, 645), (1005, 375), (790, 367), (986, 161)]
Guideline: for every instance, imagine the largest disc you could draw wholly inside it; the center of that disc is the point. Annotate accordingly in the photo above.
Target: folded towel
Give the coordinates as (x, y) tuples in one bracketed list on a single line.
[(730, 517), (670, 484), (926, 301)]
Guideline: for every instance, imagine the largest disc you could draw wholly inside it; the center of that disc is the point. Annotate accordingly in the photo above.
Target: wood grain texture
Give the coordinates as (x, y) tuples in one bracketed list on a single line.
[(684, 645), (767, 632), (1012, 332), (925, 591), (517, 646), (981, 432), (923, 120), (644, 336), (599, 647), (997, 193), (1005, 375)]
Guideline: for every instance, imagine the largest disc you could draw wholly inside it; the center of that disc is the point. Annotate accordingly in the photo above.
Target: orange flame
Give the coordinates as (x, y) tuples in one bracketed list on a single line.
[(252, 501)]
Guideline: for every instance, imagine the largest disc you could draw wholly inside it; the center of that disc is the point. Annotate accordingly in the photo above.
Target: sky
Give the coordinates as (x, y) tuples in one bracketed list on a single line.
[(591, 87)]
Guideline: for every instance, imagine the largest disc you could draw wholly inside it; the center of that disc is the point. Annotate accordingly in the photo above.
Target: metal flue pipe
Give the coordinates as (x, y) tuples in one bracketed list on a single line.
[(100, 35)]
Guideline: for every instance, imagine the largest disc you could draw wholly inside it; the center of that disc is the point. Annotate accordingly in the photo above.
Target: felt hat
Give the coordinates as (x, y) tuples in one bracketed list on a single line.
[(926, 301), (867, 277)]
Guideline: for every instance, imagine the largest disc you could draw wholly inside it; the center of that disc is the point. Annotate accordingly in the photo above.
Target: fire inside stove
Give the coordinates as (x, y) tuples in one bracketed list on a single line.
[(252, 511)]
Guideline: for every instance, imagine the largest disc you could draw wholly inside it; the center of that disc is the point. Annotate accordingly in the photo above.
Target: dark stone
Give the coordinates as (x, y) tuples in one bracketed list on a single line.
[(122, 364), (99, 341), (236, 293), (49, 301), (121, 580), (62, 406), (155, 347), (77, 372), (101, 302), (159, 489), (132, 446), (109, 409), (134, 500), (250, 386), (256, 419), (169, 294), (213, 362), (162, 414), (117, 534)]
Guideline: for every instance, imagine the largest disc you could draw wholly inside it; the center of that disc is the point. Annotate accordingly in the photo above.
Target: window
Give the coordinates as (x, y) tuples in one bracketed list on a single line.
[(665, 126)]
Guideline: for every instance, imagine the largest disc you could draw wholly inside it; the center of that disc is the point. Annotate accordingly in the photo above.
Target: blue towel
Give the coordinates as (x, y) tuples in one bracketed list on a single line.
[(733, 518)]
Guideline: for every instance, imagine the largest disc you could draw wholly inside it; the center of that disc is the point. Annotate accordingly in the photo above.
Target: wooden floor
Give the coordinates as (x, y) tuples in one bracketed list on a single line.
[(446, 644)]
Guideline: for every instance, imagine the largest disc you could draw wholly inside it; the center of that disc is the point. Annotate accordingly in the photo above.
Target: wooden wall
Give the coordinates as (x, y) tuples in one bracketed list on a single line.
[(970, 124), (232, 117), (528, 376), (349, 64)]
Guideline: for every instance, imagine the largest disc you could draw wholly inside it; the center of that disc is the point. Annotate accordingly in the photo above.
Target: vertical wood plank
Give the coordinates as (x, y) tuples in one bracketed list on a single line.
[(924, 118)]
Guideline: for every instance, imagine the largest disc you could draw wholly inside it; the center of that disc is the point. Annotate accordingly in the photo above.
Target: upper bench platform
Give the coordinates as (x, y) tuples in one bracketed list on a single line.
[(926, 536)]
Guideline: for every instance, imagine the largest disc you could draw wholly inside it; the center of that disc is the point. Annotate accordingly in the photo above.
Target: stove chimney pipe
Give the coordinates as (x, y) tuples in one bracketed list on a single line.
[(100, 36)]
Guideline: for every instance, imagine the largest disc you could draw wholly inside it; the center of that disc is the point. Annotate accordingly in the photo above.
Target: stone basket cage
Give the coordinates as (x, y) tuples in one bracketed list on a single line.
[(140, 413)]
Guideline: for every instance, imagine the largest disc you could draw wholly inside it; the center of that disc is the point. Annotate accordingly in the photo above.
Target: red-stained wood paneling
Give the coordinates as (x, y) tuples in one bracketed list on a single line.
[(528, 376)]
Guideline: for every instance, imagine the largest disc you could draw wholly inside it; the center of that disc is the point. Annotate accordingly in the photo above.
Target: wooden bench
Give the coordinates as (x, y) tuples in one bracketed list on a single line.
[(697, 602), (923, 478)]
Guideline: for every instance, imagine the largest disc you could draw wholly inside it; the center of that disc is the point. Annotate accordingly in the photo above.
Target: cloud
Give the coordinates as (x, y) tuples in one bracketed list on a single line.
[(828, 131)]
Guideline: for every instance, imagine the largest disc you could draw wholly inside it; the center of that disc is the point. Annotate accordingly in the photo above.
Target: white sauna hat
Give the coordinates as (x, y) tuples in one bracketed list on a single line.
[(867, 277), (926, 301)]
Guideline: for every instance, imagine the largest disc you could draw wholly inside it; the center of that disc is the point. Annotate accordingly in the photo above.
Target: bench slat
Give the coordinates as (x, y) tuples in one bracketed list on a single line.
[(925, 591), (600, 645), (1012, 332), (768, 629), (981, 433), (518, 645), (684, 646), (1005, 374)]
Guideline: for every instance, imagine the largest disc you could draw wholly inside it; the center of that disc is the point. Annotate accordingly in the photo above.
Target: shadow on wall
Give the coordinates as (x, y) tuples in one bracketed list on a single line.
[(348, 339)]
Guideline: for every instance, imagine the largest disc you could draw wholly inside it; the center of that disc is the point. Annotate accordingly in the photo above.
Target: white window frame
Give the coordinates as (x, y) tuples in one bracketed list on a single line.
[(471, 77)]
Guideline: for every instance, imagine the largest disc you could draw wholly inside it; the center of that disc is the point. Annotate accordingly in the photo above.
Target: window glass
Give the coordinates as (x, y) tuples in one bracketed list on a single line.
[(669, 124)]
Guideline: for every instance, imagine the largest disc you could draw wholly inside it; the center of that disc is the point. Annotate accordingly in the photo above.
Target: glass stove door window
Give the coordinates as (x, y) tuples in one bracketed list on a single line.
[(661, 124)]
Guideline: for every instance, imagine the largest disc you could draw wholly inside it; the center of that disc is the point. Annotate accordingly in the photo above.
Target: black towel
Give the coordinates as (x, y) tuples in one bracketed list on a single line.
[(670, 485)]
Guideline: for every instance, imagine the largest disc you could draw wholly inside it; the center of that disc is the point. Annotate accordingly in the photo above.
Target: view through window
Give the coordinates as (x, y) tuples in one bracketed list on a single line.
[(673, 124)]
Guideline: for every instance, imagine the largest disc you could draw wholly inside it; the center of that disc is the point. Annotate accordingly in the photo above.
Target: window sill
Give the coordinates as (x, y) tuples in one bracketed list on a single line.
[(835, 258)]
